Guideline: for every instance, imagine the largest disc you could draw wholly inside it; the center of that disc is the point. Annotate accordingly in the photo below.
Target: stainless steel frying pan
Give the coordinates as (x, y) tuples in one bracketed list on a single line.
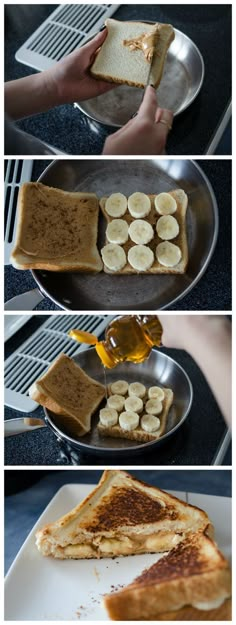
[(76, 291), (158, 369)]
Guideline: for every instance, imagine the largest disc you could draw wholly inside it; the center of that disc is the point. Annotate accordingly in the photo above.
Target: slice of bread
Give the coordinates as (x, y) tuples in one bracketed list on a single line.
[(140, 435), (56, 230), (181, 240), (116, 62), (72, 396), (194, 573)]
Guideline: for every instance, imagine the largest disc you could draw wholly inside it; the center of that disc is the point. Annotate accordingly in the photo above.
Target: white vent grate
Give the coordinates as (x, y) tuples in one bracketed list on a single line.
[(16, 172), (34, 356), (62, 32)]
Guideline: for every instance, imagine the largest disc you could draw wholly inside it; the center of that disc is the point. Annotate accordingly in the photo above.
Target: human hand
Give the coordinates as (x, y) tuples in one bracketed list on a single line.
[(189, 331), (146, 133), (70, 77)]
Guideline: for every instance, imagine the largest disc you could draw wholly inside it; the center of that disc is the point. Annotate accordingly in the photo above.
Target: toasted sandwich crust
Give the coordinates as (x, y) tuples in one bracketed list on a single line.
[(106, 515), (193, 573)]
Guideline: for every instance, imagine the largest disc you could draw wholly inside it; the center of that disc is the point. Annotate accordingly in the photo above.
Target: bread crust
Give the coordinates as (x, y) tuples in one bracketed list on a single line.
[(83, 523), (194, 573), (181, 240), (144, 604)]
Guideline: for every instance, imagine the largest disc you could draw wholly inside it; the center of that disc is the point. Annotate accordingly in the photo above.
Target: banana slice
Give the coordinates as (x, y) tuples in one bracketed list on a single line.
[(141, 231), (165, 204), (116, 205), (117, 231), (108, 416), (134, 404), (168, 254), (119, 388), (167, 227), (116, 401), (140, 257), (113, 256), (137, 389), (139, 204), (156, 392), (153, 406), (129, 421), (149, 423)]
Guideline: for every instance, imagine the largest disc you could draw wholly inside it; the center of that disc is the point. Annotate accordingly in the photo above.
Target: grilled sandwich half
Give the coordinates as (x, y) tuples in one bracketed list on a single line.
[(194, 573), (122, 516)]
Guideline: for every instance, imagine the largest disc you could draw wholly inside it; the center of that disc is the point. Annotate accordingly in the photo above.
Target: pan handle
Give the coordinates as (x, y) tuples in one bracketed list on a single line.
[(25, 301), (20, 425)]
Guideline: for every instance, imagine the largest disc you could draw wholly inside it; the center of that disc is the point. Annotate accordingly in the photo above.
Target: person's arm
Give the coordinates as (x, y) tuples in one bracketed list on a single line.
[(146, 133), (67, 81), (207, 338)]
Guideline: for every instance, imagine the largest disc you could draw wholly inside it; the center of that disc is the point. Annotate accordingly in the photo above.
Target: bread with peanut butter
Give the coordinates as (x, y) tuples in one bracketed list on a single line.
[(56, 230), (154, 233), (70, 394), (128, 50), (150, 426), (121, 516), (194, 576)]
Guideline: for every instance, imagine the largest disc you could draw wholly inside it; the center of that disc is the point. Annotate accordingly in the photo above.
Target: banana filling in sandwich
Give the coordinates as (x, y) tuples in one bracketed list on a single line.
[(145, 233), (194, 573), (135, 412), (122, 516)]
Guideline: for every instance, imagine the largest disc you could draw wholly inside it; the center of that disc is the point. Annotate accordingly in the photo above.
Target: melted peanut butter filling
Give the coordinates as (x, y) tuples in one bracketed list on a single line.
[(146, 42)]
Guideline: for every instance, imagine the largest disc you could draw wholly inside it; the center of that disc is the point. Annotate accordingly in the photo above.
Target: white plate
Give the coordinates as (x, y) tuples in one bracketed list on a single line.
[(43, 589)]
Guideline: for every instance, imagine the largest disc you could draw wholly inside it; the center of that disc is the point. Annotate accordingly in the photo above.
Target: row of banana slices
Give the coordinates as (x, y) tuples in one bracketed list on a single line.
[(126, 410), (140, 257)]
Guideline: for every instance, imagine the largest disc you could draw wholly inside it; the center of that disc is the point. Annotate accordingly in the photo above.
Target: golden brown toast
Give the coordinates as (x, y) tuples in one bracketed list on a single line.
[(121, 516), (139, 434), (181, 240), (194, 573), (126, 64), (56, 230), (70, 394)]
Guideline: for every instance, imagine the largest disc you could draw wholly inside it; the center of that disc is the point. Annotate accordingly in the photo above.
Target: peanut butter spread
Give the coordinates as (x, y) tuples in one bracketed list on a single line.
[(146, 42)]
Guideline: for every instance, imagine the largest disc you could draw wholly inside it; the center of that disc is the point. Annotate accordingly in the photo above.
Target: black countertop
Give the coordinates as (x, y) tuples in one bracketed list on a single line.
[(195, 443), (213, 292), (208, 26)]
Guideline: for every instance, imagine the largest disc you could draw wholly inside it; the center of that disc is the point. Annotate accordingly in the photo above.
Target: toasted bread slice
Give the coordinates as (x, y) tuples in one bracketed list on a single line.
[(121, 516), (56, 230), (181, 240), (194, 573), (70, 394), (139, 434), (124, 64)]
